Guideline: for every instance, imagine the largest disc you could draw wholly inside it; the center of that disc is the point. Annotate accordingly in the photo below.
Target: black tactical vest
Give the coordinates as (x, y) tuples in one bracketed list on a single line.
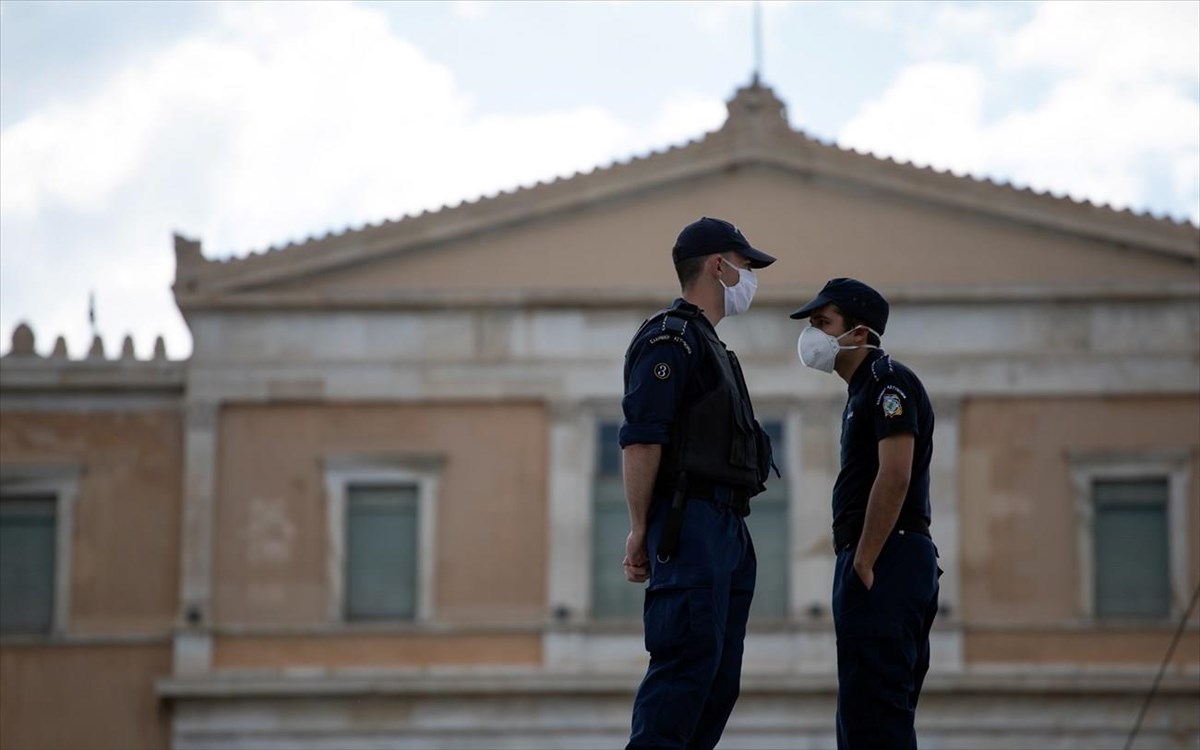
[(714, 436)]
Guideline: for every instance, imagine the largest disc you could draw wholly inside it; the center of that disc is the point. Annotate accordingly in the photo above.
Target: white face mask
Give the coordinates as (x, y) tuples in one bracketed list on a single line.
[(818, 349), (739, 296)]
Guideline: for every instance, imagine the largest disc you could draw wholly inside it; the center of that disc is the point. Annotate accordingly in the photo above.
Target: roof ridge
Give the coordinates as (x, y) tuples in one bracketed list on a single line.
[(750, 122), (1024, 188), (499, 193)]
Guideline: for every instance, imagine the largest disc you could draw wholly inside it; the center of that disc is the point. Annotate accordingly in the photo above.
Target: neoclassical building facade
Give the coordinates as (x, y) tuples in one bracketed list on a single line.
[(379, 505)]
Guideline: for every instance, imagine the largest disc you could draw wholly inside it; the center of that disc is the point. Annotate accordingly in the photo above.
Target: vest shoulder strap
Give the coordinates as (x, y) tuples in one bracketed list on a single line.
[(670, 320)]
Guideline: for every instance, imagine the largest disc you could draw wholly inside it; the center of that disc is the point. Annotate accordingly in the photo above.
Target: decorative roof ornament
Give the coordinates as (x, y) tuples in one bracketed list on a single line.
[(97, 350), (756, 117), (22, 342)]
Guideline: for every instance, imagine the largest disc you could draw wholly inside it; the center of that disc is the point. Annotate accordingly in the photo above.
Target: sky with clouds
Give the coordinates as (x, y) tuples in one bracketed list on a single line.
[(251, 125)]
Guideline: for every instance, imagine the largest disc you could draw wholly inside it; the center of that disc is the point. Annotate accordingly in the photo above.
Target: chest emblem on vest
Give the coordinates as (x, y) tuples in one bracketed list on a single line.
[(662, 371), (891, 405)]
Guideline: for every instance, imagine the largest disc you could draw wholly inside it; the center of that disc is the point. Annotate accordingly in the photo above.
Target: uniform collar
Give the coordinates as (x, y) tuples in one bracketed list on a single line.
[(681, 304), (692, 310), (863, 373)]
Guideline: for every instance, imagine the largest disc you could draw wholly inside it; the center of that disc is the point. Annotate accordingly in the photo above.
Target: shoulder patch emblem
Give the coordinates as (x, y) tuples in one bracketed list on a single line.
[(662, 371), (891, 405)]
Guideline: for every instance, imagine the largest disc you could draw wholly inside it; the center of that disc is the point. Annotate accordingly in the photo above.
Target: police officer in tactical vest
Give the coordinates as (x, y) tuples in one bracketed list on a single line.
[(693, 457), (885, 586)]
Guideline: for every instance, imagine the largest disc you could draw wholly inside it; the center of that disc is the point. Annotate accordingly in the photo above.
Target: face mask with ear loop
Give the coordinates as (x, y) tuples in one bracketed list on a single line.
[(739, 296), (818, 350)]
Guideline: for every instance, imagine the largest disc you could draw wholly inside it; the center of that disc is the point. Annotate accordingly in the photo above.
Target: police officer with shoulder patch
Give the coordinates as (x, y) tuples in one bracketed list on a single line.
[(693, 457), (885, 585)]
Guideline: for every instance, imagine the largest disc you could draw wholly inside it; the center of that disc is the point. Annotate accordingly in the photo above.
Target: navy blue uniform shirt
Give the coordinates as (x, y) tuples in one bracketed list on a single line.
[(886, 398), (660, 370)]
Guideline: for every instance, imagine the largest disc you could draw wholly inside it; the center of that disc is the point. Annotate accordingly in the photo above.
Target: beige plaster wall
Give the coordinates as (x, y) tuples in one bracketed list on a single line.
[(490, 510), (125, 545), (1118, 646), (376, 650), (81, 697), (1020, 549)]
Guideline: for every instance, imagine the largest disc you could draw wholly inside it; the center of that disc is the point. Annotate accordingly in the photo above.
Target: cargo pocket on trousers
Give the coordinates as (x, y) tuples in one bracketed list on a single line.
[(667, 619)]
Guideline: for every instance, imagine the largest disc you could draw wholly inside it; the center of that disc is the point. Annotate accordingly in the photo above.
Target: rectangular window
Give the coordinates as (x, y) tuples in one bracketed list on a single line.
[(768, 523), (382, 538), (1132, 547), (28, 539), (613, 597)]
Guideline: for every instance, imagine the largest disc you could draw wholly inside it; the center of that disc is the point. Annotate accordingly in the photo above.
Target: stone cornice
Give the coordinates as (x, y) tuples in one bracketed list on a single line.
[(608, 297), (33, 374), (430, 682)]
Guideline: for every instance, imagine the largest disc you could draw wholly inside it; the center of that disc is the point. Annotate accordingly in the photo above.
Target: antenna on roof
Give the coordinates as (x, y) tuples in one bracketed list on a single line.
[(757, 42), (92, 311)]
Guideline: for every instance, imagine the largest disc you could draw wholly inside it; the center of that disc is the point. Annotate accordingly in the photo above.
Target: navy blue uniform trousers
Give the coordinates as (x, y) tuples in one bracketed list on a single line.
[(883, 642), (695, 617)]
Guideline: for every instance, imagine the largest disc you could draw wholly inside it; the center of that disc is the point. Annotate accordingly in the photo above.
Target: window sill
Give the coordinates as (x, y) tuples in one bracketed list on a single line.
[(83, 639)]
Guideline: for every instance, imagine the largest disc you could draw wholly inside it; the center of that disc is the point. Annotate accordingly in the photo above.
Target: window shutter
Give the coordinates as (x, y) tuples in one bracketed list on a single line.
[(1131, 547), (381, 553), (27, 564)]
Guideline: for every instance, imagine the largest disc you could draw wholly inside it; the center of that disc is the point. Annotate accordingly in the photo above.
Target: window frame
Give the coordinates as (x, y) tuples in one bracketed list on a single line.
[(1086, 470), (343, 472), (610, 415), (62, 483), (789, 432)]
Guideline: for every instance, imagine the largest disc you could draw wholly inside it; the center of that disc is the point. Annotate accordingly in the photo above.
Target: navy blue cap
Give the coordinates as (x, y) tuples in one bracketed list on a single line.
[(853, 298), (707, 236)]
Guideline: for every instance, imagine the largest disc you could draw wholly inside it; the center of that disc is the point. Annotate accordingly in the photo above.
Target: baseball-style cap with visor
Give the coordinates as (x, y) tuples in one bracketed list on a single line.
[(853, 298), (708, 236)]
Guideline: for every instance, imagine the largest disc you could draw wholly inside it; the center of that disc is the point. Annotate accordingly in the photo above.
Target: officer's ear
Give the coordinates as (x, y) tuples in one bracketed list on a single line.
[(715, 266)]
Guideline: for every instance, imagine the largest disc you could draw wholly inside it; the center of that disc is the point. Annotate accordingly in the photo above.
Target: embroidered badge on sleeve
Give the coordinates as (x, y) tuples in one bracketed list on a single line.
[(662, 371), (892, 401)]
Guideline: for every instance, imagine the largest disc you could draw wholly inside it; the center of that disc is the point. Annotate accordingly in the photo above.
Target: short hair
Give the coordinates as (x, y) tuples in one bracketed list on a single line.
[(853, 322), (688, 270)]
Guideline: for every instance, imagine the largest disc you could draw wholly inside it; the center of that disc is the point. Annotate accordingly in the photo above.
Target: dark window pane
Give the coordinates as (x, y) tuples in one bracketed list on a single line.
[(769, 528), (1131, 544), (613, 597), (608, 460), (774, 430), (381, 552), (27, 564), (768, 524)]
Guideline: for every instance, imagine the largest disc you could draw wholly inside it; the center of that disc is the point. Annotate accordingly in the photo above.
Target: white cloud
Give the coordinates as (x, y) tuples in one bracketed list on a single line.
[(684, 117), (1121, 107), (1124, 41), (725, 17), (1094, 139), (470, 10), (950, 28), (930, 115), (268, 128)]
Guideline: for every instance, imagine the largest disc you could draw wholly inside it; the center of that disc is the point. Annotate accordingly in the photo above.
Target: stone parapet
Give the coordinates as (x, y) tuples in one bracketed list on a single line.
[(24, 371)]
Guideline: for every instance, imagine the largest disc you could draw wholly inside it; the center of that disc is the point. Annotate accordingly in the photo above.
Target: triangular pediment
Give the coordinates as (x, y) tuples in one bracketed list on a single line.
[(822, 210)]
